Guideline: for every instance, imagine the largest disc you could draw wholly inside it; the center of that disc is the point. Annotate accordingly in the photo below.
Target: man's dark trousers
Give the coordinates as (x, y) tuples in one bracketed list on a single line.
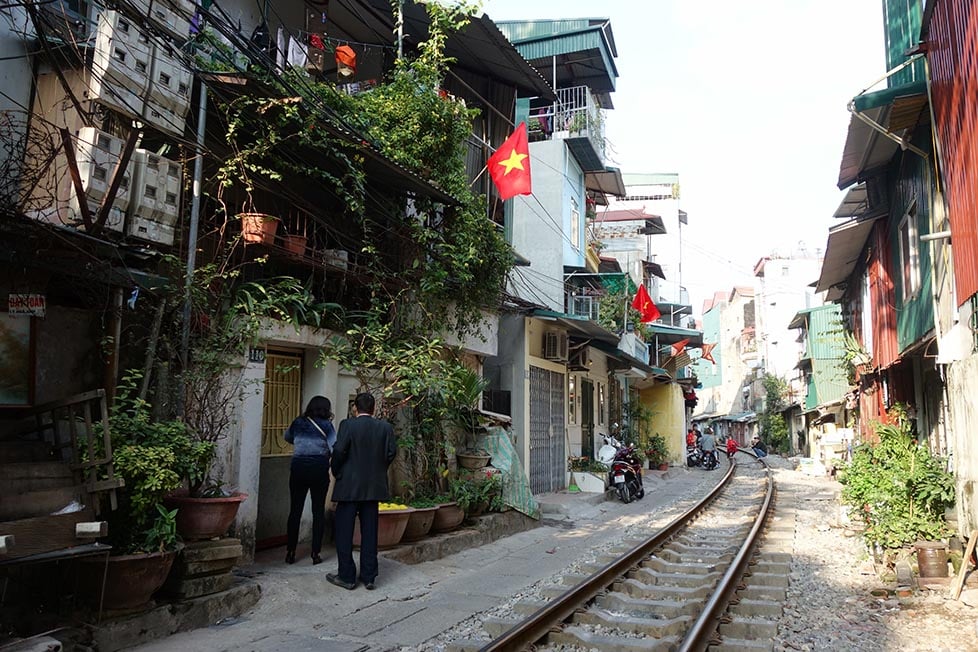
[(346, 514)]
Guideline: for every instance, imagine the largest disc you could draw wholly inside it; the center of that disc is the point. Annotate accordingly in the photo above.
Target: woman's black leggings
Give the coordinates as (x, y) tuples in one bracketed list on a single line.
[(308, 474)]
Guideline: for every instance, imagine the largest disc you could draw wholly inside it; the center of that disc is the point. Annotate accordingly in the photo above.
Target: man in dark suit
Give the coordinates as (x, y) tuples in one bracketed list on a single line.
[(364, 448)]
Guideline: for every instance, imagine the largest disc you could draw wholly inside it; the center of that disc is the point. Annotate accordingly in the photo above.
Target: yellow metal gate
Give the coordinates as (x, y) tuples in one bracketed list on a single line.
[(283, 400)]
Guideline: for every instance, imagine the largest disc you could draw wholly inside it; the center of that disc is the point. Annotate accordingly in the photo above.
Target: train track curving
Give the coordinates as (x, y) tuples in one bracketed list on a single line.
[(698, 582)]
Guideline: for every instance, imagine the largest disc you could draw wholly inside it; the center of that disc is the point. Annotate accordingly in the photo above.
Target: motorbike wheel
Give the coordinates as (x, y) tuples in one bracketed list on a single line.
[(641, 493), (624, 493)]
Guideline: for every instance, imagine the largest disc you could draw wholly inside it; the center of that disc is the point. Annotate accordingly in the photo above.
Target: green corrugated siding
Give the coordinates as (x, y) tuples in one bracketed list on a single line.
[(901, 25), (517, 31), (811, 395), (826, 348), (544, 49), (912, 183)]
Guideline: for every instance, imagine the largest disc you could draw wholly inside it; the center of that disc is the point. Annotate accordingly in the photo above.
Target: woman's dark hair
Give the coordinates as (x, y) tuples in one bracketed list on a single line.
[(319, 408)]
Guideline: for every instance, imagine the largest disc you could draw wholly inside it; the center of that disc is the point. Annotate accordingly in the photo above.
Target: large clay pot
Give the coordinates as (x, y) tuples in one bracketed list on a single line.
[(419, 524), (448, 517), (130, 580), (258, 227), (472, 460), (204, 518), (391, 524)]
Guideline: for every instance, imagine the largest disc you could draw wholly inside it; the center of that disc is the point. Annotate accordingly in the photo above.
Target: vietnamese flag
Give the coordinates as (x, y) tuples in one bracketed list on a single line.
[(509, 166), (679, 346), (644, 305)]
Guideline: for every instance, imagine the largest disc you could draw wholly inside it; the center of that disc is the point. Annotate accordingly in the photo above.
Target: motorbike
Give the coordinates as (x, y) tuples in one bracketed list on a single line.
[(710, 460), (625, 469), (694, 456)]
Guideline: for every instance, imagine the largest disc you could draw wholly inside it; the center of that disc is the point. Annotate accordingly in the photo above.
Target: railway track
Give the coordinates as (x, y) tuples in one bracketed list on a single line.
[(696, 583)]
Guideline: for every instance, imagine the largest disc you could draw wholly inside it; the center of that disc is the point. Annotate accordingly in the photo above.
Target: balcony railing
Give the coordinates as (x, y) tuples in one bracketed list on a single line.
[(575, 115)]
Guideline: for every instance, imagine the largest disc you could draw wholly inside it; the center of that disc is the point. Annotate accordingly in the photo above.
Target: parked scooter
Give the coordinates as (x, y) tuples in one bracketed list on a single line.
[(710, 460), (694, 456), (625, 469)]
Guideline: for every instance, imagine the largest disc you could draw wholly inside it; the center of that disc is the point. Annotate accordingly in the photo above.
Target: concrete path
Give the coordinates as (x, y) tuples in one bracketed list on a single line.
[(300, 611)]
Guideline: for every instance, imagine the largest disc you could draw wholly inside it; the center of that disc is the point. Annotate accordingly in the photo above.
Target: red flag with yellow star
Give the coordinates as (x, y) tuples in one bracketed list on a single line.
[(509, 166), (646, 308)]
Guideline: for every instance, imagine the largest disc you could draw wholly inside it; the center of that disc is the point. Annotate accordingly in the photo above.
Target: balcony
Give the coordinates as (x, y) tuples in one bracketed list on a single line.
[(576, 118)]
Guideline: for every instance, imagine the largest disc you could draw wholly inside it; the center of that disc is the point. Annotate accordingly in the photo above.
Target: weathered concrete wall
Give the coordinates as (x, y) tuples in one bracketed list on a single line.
[(962, 385), (669, 420)]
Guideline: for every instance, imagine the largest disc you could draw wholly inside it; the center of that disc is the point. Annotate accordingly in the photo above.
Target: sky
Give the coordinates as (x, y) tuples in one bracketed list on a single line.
[(747, 102)]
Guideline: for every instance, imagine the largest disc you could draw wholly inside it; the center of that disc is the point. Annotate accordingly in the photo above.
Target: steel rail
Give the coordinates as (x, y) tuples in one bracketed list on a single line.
[(540, 622), (699, 635)]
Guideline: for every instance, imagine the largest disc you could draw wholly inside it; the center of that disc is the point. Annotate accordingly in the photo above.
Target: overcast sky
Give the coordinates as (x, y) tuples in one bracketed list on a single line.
[(746, 101)]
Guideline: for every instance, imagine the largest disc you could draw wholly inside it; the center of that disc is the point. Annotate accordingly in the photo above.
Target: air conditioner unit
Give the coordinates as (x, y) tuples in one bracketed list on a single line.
[(555, 346), (580, 360)]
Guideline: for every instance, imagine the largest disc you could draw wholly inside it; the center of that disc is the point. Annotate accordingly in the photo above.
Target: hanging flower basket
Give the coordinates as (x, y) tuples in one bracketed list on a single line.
[(258, 227)]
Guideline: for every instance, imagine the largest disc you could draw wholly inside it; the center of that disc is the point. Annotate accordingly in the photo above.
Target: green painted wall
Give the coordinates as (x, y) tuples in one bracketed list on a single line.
[(911, 190), (901, 26)]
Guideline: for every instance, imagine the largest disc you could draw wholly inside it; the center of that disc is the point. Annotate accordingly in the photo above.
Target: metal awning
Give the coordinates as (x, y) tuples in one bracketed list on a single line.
[(876, 129), (578, 325), (655, 269), (671, 334), (854, 204), (845, 246), (798, 321), (478, 46), (606, 182)]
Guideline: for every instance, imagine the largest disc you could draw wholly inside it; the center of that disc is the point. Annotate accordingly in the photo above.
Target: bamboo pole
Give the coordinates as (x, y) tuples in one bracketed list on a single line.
[(959, 580)]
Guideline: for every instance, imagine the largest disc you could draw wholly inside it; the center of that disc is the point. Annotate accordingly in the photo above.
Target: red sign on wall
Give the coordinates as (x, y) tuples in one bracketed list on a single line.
[(34, 305)]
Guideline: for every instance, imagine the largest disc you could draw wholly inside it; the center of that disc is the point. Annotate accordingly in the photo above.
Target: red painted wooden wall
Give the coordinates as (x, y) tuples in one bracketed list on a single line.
[(952, 42)]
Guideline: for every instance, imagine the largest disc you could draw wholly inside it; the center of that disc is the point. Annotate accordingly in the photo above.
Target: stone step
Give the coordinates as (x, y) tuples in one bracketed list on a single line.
[(686, 568), (23, 477), (32, 504)]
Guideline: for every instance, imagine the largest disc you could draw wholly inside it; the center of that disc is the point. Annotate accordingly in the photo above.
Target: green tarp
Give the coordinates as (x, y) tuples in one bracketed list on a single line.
[(516, 486)]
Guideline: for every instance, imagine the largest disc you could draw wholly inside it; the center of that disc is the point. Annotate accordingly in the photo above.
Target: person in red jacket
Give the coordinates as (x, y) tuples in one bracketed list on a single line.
[(731, 447)]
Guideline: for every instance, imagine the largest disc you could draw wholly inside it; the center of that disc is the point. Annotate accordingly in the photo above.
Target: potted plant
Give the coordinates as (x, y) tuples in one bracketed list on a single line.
[(466, 394), (258, 227), (152, 457), (657, 452), (392, 520), (421, 519), (478, 492), (448, 516)]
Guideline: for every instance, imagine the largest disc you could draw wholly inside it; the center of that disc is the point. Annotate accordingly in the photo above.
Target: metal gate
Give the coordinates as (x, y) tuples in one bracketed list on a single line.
[(548, 458), (587, 418), (283, 400)]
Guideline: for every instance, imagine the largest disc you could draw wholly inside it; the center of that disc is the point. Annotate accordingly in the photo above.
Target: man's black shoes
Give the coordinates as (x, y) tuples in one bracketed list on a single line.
[(334, 579)]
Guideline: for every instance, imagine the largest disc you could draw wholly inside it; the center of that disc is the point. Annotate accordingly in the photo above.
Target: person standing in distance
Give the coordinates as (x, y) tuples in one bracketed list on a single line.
[(365, 447), (312, 436)]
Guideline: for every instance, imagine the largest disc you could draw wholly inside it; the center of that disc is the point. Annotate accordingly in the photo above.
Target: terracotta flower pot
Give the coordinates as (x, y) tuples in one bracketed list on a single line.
[(472, 460), (391, 524), (295, 244), (258, 227), (204, 518), (130, 580), (448, 517), (419, 524)]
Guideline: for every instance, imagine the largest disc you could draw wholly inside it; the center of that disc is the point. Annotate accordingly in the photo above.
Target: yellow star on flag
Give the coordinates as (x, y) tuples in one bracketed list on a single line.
[(515, 161)]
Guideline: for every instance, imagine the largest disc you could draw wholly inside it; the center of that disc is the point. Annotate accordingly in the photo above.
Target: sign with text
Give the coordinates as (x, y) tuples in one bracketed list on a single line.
[(256, 355), (34, 305)]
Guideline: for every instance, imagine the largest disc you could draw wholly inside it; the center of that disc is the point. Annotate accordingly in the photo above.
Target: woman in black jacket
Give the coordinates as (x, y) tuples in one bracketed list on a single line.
[(312, 436)]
